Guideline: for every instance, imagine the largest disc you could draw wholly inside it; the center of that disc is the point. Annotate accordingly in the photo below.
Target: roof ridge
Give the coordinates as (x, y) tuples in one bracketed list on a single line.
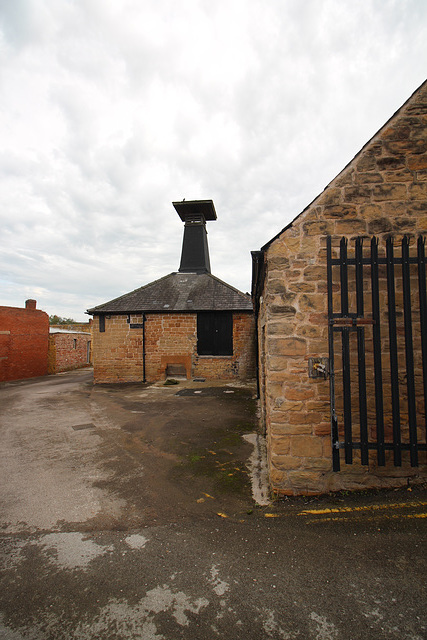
[(229, 286)]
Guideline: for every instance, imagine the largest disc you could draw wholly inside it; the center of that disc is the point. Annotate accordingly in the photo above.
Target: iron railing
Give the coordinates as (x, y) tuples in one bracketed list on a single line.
[(377, 301)]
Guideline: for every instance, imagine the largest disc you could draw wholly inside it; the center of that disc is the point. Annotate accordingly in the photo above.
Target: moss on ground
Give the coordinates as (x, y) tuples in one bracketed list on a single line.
[(220, 461)]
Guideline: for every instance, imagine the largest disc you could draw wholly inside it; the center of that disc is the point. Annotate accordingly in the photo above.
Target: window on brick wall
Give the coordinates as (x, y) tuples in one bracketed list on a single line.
[(75, 343), (102, 323), (215, 333)]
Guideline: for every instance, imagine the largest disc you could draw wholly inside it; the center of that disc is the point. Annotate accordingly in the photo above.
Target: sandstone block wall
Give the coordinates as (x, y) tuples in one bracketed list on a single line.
[(24, 335), (382, 192), (170, 339), (117, 352)]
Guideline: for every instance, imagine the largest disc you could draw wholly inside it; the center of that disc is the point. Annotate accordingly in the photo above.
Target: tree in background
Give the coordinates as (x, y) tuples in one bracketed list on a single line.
[(58, 320)]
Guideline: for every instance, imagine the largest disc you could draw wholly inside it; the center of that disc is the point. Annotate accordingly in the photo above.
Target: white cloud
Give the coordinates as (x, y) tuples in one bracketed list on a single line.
[(110, 111)]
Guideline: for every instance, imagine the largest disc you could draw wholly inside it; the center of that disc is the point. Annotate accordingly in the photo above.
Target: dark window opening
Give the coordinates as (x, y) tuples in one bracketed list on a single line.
[(101, 324), (75, 343), (215, 333)]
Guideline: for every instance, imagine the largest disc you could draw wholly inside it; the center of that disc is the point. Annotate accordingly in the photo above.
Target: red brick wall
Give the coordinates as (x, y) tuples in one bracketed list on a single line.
[(168, 336), (24, 335), (171, 338), (63, 355)]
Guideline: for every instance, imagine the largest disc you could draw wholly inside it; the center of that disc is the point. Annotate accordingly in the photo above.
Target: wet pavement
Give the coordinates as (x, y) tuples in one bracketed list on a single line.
[(127, 512)]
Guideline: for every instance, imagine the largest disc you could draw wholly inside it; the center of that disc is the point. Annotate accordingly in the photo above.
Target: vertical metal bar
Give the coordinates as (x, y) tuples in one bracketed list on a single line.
[(344, 276), (359, 277), (394, 365), (423, 315), (410, 381), (376, 332), (334, 421), (348, 441), (345, 344), (144, 379), (361, 354)]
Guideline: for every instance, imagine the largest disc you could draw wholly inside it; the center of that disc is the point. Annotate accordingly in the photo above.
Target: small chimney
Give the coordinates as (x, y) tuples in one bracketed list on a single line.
[(30, 304), (195, 250)]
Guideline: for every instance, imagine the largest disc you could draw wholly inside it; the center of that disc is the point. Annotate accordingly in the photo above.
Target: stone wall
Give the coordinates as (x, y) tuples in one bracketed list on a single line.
[(170, 339), (68, 351), (382, 192), (24, 335)]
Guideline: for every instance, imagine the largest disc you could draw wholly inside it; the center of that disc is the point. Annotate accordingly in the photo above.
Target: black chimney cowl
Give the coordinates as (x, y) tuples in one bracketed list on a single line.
[(195, 250)]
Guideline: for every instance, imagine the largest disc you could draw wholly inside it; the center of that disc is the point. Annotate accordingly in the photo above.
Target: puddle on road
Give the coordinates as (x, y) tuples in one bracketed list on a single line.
[(136, 541), (257, 467), (73, 550), (214, 392)]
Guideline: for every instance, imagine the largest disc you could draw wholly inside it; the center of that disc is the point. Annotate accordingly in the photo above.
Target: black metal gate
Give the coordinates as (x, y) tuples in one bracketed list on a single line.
[(377, 310)]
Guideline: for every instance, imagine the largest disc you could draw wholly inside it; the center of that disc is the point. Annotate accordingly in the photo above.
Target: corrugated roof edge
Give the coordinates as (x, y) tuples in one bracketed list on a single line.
[(82, 333)]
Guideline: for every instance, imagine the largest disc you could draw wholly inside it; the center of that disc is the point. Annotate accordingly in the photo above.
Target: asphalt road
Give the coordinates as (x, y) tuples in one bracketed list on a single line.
[(126, 513)]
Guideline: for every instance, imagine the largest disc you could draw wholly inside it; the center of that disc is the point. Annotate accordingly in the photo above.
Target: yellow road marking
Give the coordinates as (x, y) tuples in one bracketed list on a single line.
[(372, 507), (381, 516)]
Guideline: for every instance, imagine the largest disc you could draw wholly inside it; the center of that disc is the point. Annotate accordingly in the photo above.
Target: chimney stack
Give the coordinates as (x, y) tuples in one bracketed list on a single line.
[(30, 304), (195, 250)]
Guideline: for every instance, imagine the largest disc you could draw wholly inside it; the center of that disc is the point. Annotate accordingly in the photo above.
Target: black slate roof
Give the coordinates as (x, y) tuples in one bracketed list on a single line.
[(179, 292)]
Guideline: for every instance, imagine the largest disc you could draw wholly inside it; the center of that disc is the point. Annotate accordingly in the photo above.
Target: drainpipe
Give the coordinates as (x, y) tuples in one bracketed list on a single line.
[(257, 264), (143, 347), (256, 314)]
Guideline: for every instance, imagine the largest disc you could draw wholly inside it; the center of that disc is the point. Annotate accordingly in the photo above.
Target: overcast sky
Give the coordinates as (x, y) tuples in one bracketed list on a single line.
[(110, 110)]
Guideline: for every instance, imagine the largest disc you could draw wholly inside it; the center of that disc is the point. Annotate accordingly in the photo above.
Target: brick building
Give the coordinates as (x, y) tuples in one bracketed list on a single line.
[(68, 349), (24, 335), (188, 323), (341, 322)]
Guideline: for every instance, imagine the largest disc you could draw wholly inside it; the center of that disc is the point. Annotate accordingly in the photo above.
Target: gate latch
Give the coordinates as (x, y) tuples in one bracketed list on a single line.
[(318, 367)]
